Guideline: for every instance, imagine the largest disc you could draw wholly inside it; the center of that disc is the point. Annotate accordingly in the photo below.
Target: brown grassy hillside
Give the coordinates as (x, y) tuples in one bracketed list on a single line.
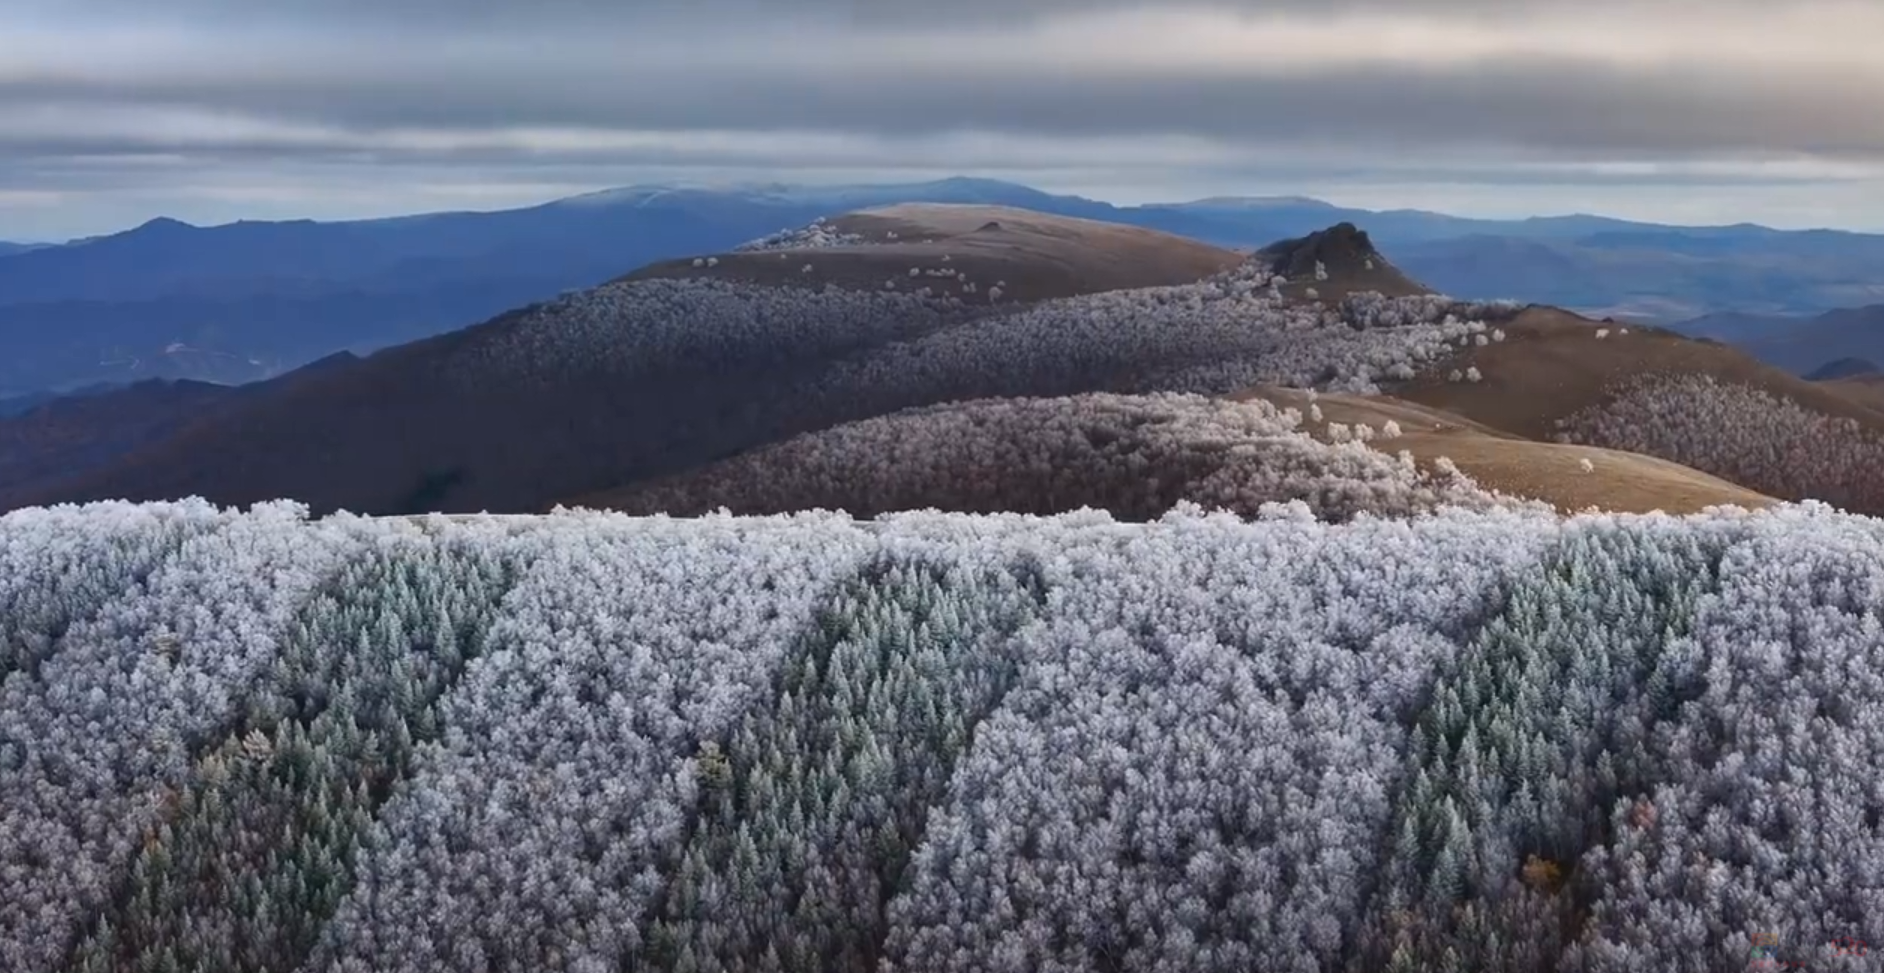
[(983, 254), (1552, 366), (1862, 390), (1616, 481), (1694, 402)]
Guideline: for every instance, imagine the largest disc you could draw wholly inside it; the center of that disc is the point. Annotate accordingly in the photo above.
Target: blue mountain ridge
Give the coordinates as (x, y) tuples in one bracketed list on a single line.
[(241, 301)]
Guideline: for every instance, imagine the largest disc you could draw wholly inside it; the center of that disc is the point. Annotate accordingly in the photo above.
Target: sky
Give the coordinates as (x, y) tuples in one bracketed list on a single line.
[(1687, 111)]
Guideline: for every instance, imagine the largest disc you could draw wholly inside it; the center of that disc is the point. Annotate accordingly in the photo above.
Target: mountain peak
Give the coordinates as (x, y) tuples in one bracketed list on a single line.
[(1342, 247), (1340, 259), (163, 224), (1261, 202)]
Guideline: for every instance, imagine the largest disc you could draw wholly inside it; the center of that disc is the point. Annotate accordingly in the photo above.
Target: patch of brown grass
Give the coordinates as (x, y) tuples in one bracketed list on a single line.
[(1616, 481), (1552, 366), (1035, 256), (1866, 391)]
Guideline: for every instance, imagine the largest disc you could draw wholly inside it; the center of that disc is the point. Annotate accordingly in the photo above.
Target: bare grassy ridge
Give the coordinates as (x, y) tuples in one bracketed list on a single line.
[(976, 254), (1139, 456), (1552, 366), (1696, 403), (1135, 456)]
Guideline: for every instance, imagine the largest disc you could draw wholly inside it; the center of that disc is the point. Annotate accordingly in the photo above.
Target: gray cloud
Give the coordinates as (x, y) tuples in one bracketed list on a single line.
[(1557, 107), (479, 14), (1520, 92)]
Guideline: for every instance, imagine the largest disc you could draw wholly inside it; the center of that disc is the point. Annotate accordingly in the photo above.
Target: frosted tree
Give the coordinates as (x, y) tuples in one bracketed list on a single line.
[(1490, 739)]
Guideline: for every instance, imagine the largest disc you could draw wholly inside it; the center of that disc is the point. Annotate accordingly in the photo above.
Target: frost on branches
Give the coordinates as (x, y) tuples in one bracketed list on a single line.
[(817, 235), (1477, 739), (1136, 457), (1741, 434), (1221, 334)]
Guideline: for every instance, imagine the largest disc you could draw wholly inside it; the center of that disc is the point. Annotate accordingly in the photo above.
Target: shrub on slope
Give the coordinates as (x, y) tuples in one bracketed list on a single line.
[(1136, 457), (1741, 434), (817, 235), (977, 743)]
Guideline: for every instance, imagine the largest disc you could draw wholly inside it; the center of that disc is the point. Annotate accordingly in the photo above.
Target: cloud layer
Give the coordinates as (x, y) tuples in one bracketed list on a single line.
[(349, 105)]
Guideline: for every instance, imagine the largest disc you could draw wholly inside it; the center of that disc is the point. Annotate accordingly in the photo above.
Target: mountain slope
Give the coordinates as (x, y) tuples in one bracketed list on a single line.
[(1554, 365), (1800, 344), (284, 293), (691, 362), (1864, 390), (560, 239), (1332, 263), (1135, 457), (235, 340), (18, 404), (67, 436), (1614, 480), (979, 253), (1698, 403), (73, 434), (650, 376)]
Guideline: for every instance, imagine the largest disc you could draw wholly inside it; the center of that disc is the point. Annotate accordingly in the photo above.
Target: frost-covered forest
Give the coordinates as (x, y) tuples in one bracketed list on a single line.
[(1133, 456), (1468, 740), (1742, 434), (1224, 333)]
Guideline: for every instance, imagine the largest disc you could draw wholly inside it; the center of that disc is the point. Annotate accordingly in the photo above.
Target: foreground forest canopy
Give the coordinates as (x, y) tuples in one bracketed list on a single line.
[(1493, 740)]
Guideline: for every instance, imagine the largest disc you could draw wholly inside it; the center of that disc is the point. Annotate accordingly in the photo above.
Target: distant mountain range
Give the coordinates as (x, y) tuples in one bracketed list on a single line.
[(1845, 368), (248, 300), (1798, 343)]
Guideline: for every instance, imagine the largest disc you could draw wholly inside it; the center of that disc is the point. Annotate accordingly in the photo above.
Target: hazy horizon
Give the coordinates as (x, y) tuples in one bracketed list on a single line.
[(1671, 111), (524, 197)]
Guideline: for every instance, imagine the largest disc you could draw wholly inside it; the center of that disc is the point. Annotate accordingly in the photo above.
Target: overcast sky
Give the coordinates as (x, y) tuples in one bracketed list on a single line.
[(115, 111)]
